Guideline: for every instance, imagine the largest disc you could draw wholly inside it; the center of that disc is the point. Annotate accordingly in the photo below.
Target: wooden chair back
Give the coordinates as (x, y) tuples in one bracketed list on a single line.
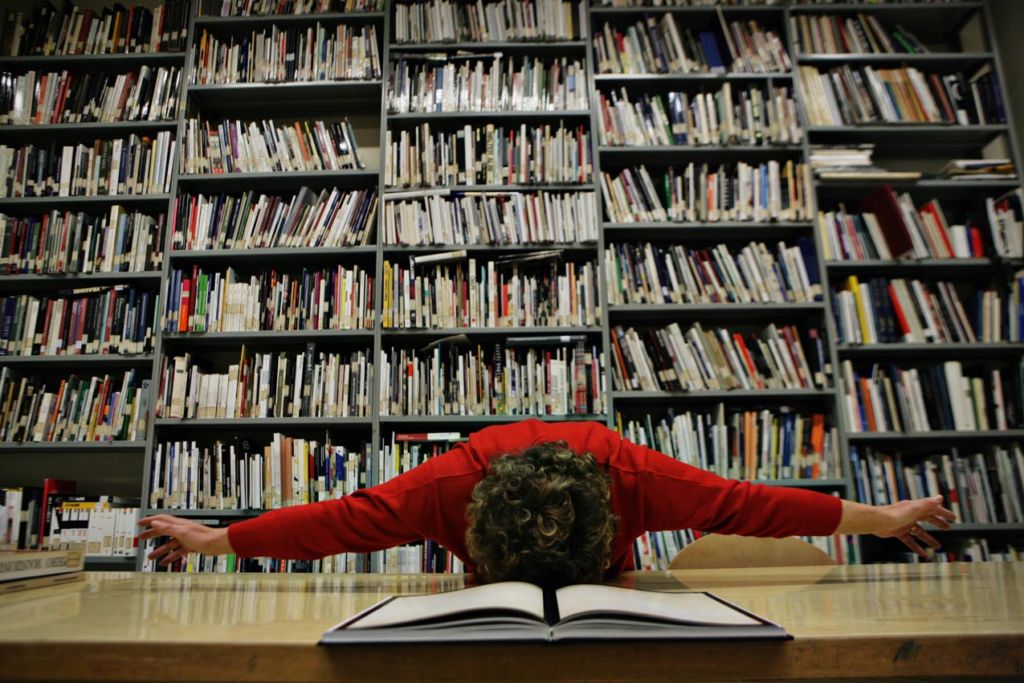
[(718, 551)]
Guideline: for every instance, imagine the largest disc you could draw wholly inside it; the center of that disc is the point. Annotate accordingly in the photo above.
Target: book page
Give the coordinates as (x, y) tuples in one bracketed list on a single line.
[(509, 595), (695, 608)]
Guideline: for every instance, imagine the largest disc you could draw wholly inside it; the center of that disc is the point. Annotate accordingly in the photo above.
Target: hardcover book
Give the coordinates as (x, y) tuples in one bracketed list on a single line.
[(521, 612)]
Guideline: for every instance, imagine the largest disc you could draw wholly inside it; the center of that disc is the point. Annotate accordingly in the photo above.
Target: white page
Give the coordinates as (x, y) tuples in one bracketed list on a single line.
[(507, 595), (689, 607)]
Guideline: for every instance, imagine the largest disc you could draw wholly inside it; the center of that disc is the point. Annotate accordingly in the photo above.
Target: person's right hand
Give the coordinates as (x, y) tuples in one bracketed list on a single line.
[(186, 536)]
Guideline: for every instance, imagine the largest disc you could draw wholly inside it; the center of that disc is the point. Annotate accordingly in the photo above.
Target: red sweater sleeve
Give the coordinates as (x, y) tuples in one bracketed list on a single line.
[(399, 511), (675, 495)]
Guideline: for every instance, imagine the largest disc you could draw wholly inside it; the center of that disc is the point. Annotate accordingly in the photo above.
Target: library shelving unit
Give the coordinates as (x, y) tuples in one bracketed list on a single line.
[(124, 468)]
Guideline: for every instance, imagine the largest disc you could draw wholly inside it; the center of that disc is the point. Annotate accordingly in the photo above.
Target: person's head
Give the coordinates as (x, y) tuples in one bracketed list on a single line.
[(542, 516)]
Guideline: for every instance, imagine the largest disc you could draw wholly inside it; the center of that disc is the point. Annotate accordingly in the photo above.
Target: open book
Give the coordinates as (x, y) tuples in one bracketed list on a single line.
[(514, 611)]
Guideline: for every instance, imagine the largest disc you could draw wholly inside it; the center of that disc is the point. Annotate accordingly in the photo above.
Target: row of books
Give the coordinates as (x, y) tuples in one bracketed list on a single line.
[(1015, 307), (243, 475), (72, 30), (767, 191), (488, 155), (972, 549), (73, 408), (75, 242), (849, 95), (980, 488), (266, 384), (748, 445), (655, 550), (327, 218), (234, 146), (485, 82), (288, 55), (658, 46), (751, 116), (867, 236), (95, 320), (676, 274), (45, 97), (255, 8), (427, 557), (922, 399), (494, 218), (338, 298), (508, 293), (132, 165), (882, 311), (548, 377), (445, 21), (53, 517), (669, 359), (860, 34)]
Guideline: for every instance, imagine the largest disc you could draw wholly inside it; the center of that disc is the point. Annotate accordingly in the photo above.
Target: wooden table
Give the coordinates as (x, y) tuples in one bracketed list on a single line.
[(958, 620)]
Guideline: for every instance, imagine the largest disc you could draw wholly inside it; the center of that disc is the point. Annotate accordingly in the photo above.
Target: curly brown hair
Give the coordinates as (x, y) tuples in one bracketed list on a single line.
[(542, 516)]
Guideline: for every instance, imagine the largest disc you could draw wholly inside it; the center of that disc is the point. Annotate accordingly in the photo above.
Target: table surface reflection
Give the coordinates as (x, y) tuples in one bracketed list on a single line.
[(113, 617)]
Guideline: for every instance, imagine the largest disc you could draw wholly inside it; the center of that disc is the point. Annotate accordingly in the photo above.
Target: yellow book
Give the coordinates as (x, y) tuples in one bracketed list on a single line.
[(862, 314)]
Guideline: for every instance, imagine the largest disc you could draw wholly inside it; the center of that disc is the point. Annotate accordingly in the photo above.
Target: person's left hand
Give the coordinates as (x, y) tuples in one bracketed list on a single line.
[(903, 521)]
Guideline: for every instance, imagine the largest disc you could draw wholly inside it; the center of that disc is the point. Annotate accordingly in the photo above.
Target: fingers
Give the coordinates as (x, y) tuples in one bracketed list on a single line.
[(175, 556), (932, 542), (909, 541), (164, 549), (936, 520)]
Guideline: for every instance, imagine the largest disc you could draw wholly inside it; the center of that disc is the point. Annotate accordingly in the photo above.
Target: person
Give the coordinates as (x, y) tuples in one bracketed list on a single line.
[(545, 502)]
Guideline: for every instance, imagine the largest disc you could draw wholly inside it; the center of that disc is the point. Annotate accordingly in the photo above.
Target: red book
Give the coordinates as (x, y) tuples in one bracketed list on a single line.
[(883, 203), (52, 487), (186, 296), (742, 346), (898, 310), (977, 249), (933, 208)]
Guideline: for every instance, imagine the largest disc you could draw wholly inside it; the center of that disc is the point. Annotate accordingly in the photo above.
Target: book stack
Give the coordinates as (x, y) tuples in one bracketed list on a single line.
[(980, 488), (848, 34), (655, 274), (38, 569), (979, 169), (749, 445), (73, 408), (488, 155), (922, 399), (518, 376), (768, 191), (97, 320), (235, 146), (72, 30), (243, 475), (670, 359), (288, 55), (532, 290), (73, 242), (251, 8), (66, 97), (850, 95), (134, 165), (750, 116), (482, 82), (336, 298), (889, 311), (491, 218), (329, 218), (263, 385), (444, 21)]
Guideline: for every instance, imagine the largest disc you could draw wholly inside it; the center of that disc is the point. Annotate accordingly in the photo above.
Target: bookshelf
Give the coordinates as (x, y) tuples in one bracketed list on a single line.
[(366, 102)]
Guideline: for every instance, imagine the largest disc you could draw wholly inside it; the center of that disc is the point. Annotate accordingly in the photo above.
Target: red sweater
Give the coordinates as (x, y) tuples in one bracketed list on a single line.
[(650, 491)]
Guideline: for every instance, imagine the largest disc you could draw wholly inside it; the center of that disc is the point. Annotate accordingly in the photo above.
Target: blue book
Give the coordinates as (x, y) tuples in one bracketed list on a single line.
[(714, 55)]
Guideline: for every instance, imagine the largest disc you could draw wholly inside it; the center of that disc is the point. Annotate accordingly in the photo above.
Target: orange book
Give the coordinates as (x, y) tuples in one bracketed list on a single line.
[(869, 408)]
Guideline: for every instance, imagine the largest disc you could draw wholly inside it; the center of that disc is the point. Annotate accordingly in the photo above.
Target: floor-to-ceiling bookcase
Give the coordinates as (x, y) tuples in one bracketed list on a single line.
[(124, 468)]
